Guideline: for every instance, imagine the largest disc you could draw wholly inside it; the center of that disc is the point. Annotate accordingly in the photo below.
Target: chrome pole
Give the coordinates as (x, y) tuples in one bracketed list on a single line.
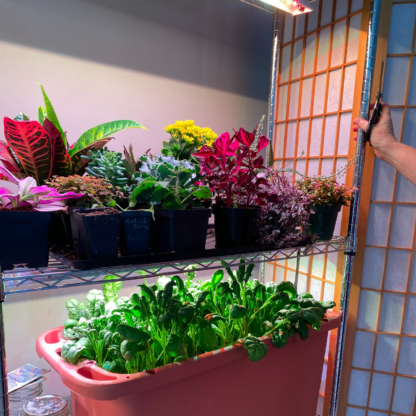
[(277, 28), (4, 400), (370, 60), (297, 270)]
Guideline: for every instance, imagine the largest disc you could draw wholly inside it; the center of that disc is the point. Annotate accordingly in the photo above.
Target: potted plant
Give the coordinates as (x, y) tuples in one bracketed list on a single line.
[(186, 138), (24, 218), (99, 232), (40, 149), (232, 167), (106, 164), (95, 193), (286, 212), (136, 227), (327, 198), (176, 338), (171, 185), (22, 153)]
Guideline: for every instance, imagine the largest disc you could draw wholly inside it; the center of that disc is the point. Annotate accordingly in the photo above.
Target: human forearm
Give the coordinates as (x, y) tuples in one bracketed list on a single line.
[(402, 158), (387, 148)]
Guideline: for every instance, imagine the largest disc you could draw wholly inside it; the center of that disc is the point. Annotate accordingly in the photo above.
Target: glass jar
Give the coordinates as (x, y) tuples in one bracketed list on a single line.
[(50, 405), (19, 397)]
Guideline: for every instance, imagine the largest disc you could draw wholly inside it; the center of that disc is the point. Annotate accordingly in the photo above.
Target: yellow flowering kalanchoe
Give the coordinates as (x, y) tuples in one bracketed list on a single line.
[(194, 136)]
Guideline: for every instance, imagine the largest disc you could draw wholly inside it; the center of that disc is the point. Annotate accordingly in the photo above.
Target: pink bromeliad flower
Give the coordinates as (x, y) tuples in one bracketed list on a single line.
[(40, 198)]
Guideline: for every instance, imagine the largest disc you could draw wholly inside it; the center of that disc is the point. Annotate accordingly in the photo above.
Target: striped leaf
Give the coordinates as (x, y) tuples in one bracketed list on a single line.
[(51, 115), (32, 146), (61, 165), (101, 132), (79, 164), (41, 115), (6, 157)]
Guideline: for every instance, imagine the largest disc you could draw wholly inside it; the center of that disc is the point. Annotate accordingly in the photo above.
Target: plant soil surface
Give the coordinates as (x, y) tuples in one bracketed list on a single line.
[(18, 209), (108, 211)]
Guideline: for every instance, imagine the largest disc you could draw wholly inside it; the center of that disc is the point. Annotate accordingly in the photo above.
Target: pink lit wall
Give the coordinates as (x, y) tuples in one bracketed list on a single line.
[(152, 61)]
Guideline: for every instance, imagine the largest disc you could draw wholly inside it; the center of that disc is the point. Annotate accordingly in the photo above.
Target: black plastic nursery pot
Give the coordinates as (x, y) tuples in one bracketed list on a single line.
[(57, 230), (71, 227), (179, 230), (234, 227), (98, 231), (24, 238), (136, 228), (323, 221)]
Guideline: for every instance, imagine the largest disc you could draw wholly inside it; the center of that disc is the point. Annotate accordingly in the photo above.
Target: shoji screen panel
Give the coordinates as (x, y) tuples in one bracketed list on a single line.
[(315, 101), (317, 78), (383, 370)]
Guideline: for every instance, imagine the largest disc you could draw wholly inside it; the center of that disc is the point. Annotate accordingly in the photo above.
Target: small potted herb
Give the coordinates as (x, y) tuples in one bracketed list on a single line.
[(232, 167), (327, 198), (136, 228), (96, 193), (24, 218), (171, 185)]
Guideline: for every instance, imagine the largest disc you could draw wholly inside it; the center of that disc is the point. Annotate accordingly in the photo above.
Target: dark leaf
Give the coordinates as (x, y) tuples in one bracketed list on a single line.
[(255, 348), (132, 334)]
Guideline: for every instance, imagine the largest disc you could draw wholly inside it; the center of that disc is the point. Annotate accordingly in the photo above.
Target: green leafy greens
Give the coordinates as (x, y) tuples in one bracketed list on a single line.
[(174, 320)]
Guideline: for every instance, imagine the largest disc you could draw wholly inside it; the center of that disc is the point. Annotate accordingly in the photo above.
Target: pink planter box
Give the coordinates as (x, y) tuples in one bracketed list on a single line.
[(222, 383)]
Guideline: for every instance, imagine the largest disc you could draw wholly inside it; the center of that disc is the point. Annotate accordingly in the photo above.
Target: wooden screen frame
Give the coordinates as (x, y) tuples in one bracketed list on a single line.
[(383, 36), (366, 189)]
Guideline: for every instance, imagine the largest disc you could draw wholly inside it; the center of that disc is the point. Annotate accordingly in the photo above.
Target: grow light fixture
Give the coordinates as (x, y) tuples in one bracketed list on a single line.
[(293, 7)]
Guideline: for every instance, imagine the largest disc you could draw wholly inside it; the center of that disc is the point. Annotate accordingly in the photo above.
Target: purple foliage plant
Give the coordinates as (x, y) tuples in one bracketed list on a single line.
[(285, 213)]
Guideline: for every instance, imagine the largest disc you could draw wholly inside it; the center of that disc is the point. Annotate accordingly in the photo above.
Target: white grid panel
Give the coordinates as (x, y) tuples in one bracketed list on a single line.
[(383, 377), (316, 83)]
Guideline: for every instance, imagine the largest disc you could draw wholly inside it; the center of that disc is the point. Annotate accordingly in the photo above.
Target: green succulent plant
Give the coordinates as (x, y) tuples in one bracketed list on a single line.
[(107, 164)]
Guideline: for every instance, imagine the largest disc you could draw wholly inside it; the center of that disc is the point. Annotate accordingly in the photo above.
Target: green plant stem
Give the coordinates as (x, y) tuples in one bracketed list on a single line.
[(164, 346), (152, 357), (258, 310), (276, 327)]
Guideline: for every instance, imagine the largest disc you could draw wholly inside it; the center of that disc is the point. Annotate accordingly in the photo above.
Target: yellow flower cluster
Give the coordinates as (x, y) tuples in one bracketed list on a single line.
[(193, 135)]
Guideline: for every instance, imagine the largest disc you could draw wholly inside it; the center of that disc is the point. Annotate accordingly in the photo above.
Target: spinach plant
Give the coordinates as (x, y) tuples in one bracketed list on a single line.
[(173, 320)]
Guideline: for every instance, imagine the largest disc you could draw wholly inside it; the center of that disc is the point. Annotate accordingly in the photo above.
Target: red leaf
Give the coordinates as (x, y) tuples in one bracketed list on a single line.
[(204, 152), (78, 164), (261, 202), (244, 137), (263, 142), (32, 146), (258, 163), (7, 158), (61, 161), (224, 146)]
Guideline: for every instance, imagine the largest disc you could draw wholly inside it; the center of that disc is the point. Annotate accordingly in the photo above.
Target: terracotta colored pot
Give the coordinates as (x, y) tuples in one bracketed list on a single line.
[(222, 383)]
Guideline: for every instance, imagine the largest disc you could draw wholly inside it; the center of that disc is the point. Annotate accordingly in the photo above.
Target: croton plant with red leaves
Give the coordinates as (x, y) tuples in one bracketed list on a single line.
[(40, 149), (232, 168)]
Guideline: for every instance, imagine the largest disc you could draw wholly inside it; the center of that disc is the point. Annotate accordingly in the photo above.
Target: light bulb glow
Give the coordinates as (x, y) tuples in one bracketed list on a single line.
[(291, 6)]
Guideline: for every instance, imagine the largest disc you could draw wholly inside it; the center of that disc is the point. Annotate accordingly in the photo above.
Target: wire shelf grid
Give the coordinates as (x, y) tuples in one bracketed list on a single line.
[(59, 276)]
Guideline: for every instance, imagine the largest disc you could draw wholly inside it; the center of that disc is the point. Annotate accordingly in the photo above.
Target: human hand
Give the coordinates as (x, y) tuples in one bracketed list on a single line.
[(382, 133)]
